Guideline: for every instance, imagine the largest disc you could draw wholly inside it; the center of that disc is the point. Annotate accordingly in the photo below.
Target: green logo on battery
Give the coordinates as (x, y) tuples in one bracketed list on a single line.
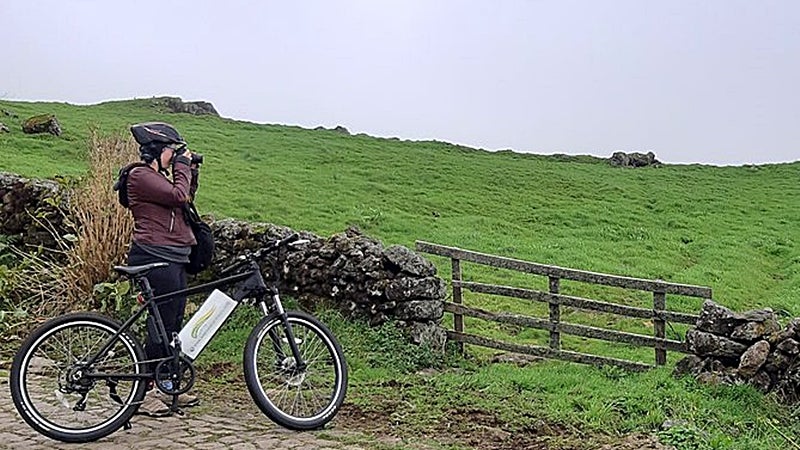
[(201, 321)]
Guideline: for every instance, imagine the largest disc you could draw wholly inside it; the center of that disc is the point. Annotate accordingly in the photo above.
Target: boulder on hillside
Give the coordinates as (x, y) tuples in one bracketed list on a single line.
[(342, 130), (338, 129), (622, 159), (4, 128), (44, 123), (177, 105)]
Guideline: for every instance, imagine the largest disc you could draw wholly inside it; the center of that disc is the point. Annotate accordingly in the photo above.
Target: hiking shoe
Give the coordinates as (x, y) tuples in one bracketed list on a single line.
[(153, 406)]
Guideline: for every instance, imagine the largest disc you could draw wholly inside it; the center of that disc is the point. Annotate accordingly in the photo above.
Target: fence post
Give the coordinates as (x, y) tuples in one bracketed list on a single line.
[(458, 319), (555, 315), (659, 324)]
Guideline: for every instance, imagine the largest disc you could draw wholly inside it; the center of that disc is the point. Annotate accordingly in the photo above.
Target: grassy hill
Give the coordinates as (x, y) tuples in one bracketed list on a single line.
[(730, 228)]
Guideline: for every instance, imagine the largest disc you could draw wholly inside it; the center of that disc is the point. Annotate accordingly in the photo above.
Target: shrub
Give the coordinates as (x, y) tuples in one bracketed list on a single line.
[(43, 282)]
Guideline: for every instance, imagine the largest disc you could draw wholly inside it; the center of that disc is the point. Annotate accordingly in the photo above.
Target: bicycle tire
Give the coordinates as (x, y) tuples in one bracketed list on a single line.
[(270, 376), (44, 355)]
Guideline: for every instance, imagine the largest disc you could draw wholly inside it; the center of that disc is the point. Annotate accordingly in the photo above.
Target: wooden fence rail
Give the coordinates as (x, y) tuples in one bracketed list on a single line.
[(658, 314)]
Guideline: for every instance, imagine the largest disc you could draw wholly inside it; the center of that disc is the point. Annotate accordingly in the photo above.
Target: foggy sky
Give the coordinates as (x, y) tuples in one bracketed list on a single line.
[(693, 81)]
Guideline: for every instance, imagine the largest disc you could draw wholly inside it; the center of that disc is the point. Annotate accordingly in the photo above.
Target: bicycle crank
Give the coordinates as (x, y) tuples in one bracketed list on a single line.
[(175, 382)]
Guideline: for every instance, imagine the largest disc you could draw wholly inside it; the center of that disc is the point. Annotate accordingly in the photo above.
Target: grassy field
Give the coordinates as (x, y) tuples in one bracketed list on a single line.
[(729, 228)]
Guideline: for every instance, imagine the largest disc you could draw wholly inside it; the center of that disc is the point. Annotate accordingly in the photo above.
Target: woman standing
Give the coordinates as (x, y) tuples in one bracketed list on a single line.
[(161, 233)]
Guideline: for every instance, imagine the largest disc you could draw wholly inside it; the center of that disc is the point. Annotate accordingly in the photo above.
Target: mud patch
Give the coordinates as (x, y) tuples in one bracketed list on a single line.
[(482, 430)]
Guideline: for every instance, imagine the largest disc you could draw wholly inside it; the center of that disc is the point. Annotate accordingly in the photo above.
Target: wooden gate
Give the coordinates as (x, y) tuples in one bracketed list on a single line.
[(658, 314)]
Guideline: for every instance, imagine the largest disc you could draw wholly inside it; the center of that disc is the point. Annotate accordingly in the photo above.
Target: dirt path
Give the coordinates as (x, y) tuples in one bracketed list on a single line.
[(233, 421)]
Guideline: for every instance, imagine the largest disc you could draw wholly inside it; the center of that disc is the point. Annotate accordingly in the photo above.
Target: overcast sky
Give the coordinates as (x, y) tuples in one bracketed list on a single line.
[(693, 81)]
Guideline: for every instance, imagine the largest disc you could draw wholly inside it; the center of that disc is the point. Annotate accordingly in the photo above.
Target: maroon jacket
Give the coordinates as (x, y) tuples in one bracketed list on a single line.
[(156, 204)]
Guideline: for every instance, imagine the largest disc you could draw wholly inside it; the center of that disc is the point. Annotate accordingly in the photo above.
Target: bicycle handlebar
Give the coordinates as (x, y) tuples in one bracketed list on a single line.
[(271, 246)]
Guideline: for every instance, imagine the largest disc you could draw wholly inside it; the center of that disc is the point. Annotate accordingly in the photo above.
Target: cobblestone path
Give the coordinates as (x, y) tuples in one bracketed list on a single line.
[(213, 425)]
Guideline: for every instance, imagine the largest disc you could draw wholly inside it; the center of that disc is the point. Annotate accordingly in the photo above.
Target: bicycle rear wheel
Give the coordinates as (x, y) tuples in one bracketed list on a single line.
[(296, 399), (50, 388)]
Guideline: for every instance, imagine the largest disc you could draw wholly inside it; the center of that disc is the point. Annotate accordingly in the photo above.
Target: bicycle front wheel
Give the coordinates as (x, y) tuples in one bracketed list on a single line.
[(57, 393), (293, 397)]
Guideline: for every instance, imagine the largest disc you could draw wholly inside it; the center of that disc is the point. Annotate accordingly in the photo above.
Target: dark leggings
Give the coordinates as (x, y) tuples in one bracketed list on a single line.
[(163, 280)]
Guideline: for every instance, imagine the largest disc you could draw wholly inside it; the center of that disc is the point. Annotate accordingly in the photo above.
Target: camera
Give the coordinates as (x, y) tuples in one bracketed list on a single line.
[(197, 158)]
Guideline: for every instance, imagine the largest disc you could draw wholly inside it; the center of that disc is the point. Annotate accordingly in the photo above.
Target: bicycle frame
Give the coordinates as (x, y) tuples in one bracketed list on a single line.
[(251, 285), (82, 376)]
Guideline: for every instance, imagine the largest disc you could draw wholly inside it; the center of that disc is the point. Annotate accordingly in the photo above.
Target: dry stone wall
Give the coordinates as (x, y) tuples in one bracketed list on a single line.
[(351, 271), (29, 208), (745, 348)]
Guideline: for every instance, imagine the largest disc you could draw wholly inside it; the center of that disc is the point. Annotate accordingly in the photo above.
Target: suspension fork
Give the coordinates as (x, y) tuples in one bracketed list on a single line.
[(287, 328)]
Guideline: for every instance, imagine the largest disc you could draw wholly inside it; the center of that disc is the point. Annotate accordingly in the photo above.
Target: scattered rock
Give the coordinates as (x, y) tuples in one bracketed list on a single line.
[(44, 123), (176, 105), (4, 128), (622, 159), (337, 129), (672, 423), (518, 359)]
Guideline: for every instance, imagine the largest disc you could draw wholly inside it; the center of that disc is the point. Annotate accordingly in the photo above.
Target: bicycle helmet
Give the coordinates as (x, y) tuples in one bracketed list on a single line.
[(156, 132), (152, 137)]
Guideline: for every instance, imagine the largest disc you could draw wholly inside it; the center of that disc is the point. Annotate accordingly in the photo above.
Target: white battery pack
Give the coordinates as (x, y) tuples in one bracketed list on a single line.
[(199, 330)]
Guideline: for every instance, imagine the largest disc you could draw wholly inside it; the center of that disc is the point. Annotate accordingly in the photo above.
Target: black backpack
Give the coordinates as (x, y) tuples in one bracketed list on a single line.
[(121, 186), (203, 252)]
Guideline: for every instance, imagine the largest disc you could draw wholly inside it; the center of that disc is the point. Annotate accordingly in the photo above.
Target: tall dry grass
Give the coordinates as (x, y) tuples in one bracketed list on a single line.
[(103, 227), (52, 281)]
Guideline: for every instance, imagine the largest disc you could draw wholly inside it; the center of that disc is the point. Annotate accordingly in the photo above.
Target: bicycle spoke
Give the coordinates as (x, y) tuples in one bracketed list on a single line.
[(298, 394), (49, 391)]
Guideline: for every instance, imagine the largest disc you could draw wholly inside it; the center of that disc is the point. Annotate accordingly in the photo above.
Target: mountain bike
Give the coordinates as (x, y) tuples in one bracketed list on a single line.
[(81, 376)]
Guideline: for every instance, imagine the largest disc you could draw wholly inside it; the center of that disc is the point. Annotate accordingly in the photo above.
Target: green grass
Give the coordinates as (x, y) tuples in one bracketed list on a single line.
[(730, 228)]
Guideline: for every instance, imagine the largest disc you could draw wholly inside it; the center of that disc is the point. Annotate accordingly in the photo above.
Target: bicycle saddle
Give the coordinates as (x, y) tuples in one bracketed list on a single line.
[(133, 271)]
